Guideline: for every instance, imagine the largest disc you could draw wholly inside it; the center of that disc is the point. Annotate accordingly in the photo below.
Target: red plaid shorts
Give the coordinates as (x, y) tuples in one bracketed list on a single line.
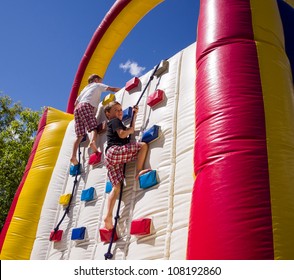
[(116, 157), (84, 118)]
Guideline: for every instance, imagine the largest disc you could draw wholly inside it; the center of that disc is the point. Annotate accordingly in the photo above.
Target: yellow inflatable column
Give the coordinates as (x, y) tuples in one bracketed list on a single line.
[(278, 99), (19, 232)]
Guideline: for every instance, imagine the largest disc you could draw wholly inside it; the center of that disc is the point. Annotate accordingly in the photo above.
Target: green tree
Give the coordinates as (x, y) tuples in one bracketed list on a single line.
[(18, 127)]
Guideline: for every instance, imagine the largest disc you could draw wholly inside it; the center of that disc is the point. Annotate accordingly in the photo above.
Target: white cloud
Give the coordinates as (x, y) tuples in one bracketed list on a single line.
[(133, 68)]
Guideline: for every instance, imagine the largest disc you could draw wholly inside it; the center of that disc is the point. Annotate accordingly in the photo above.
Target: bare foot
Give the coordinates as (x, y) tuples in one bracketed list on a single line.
[(93, 147), (141, 172), (108, 223), (74, 161)]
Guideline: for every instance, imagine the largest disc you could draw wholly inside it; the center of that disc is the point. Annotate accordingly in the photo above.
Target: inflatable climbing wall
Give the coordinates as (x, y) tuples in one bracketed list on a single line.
[(223, 158), (166, 204)]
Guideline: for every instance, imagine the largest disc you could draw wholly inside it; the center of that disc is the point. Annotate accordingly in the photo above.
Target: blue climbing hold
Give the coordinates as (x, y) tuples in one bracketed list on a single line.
[(108, 187), (148, 179), (127, 114), (78, 233), (151, 134), (88, 194), (75, 169)]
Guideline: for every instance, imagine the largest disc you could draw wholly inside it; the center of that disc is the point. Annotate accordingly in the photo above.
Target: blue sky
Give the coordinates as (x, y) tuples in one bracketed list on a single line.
[(42, 43)]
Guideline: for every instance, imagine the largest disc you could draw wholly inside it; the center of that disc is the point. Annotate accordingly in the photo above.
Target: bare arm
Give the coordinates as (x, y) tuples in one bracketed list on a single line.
[(125, 133), (114, 89)]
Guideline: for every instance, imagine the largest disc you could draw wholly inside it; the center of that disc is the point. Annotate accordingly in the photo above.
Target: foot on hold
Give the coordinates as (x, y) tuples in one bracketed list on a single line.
[(75, 169), (108, 223), (106, 235), (141, 172), (148, 179), (74, 161), (95, 158), (93, 147)]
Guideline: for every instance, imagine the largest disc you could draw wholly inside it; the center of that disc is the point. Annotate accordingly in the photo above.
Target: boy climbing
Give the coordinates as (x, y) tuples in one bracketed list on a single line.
[(119, 151), (85, 109)]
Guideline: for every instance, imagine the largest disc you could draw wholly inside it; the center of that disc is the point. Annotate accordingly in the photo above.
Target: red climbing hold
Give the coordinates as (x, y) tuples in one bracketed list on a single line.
[(105, 235), (95, 158), (155, 98), (56, 236), (141, 226), (131, 84)]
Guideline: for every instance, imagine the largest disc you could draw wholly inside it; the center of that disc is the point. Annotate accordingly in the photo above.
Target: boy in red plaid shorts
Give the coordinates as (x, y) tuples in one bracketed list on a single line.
[(85, 109), (119, 151)]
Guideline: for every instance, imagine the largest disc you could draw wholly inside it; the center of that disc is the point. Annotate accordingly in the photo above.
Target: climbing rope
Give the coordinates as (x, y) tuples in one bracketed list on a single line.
[(108, 255), (71, 197)]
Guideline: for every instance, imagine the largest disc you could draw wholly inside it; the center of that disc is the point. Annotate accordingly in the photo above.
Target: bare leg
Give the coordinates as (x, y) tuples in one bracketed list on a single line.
[(93, 141), (141, 159), (111, 202), (73, 159)]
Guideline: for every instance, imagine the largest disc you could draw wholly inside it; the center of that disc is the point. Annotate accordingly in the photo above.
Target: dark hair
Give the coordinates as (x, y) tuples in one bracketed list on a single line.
[(108, 107), (92, 78)]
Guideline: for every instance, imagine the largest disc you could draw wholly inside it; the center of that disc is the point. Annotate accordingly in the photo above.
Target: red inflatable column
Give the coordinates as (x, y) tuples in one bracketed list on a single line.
[(230, 210)]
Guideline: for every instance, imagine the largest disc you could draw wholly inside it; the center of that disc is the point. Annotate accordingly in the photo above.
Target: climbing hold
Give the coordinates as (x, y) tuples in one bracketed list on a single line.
[(151, 134), (105, 235), (88, 194), (64, 199), (78, 233), (155, 98), (101, 127), (56, 235), (108, 187), (148, 179), (141, 226), (131, 84), (75, 169), (127, 114), (95, 158), (163, 66), (108, 98)]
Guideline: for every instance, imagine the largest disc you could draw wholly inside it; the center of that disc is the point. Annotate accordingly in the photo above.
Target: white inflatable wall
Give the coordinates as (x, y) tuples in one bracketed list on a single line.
[(168, 203)]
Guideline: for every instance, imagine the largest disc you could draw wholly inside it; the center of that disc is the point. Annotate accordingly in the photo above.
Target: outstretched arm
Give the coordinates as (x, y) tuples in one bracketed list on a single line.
[(114, 89)]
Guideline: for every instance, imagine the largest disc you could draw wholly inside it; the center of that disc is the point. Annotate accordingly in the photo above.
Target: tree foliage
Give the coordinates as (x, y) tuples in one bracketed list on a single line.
[(18, 127)]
